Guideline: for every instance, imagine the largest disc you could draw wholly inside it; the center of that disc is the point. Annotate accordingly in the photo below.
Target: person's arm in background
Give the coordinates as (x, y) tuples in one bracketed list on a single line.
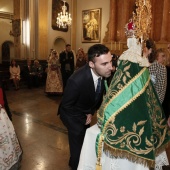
[(19, 71), (161, 83)]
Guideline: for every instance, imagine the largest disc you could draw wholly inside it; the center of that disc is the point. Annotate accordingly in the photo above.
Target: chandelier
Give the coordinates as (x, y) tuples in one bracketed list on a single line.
[(64, 18)]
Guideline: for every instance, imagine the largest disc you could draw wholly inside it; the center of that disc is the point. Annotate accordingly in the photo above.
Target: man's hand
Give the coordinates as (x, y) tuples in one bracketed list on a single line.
[(88, 120)]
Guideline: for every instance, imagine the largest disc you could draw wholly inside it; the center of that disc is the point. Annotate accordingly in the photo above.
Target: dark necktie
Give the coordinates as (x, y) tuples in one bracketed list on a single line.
[(98, 89)]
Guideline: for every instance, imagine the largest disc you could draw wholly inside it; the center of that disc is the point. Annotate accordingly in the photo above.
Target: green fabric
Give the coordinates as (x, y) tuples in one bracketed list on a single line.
[(131, 118), (105, 84)]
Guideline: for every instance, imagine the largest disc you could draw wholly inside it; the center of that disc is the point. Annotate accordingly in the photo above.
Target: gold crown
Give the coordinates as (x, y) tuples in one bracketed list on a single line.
[(140, 24)]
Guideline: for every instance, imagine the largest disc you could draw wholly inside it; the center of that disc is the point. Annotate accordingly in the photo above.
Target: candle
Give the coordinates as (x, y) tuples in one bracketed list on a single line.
[(111, 45), (115, 45), (119, 45)]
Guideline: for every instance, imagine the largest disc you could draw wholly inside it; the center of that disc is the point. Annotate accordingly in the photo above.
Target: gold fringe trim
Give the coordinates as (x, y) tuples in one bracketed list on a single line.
[(118, 153), (98, 167)]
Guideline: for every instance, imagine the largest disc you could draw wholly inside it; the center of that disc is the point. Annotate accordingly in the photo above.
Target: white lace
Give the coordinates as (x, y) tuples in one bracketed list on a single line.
[(133, 54), (161, 160), (115, 164)]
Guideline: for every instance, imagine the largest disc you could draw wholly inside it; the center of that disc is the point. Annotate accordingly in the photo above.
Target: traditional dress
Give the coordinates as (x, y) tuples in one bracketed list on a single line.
[(10, 150), (54, 79), (14, 72)]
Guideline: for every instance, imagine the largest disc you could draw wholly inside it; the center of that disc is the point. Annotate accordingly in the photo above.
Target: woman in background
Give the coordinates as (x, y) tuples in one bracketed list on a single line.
[(54, 81), (81, 58), (158, 73), (15, 73)]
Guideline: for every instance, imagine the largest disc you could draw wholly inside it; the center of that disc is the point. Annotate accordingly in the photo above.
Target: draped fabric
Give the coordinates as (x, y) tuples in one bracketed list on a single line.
[(10, 149), (131, 118)]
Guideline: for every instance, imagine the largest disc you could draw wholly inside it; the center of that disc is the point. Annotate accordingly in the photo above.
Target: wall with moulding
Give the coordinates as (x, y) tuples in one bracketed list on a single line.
[(86, 5), (56, 39), (6, 6)]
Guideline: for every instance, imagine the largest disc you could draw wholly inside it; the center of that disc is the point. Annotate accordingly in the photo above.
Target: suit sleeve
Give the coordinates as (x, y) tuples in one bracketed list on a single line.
[(71, 95)]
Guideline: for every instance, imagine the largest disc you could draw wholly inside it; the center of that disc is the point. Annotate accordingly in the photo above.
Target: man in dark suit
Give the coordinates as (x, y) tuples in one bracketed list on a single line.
[(82, 96), (27, 73), (66, 59)]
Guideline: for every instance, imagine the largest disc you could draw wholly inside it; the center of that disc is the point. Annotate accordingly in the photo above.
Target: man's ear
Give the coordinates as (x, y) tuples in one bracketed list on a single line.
[(91, 64)]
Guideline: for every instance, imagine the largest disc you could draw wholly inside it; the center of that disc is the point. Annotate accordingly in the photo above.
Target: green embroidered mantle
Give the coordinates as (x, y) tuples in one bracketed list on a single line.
[(131, 119)]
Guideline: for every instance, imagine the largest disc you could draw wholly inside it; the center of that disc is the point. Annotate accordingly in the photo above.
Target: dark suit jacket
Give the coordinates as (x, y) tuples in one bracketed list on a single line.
[(26, 70), (79, 96), (63, 60)]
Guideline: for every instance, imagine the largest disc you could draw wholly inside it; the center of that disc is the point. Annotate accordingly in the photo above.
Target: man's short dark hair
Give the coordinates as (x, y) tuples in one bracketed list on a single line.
[(150, 44), (68, 45), (96, 50)]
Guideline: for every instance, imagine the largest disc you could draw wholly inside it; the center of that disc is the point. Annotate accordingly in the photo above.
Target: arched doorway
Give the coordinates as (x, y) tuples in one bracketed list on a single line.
[(59, 44), (7, 51)]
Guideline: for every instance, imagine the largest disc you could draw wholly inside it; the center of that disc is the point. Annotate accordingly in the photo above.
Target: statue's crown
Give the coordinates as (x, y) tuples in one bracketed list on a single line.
[(130, 29)]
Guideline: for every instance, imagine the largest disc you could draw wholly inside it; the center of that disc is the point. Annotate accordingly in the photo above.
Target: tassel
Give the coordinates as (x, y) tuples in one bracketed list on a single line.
[(98, 166)]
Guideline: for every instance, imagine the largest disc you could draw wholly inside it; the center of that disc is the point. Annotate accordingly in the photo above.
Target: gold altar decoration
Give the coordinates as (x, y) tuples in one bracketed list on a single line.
[(142, 19)]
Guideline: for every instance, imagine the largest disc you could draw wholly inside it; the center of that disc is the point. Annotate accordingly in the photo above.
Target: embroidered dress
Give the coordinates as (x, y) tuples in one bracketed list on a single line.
[(14, 72), (10, 150), (54, 80)]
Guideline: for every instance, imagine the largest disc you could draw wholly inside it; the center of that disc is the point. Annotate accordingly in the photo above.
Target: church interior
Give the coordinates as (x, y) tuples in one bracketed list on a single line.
[(28, 31)]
